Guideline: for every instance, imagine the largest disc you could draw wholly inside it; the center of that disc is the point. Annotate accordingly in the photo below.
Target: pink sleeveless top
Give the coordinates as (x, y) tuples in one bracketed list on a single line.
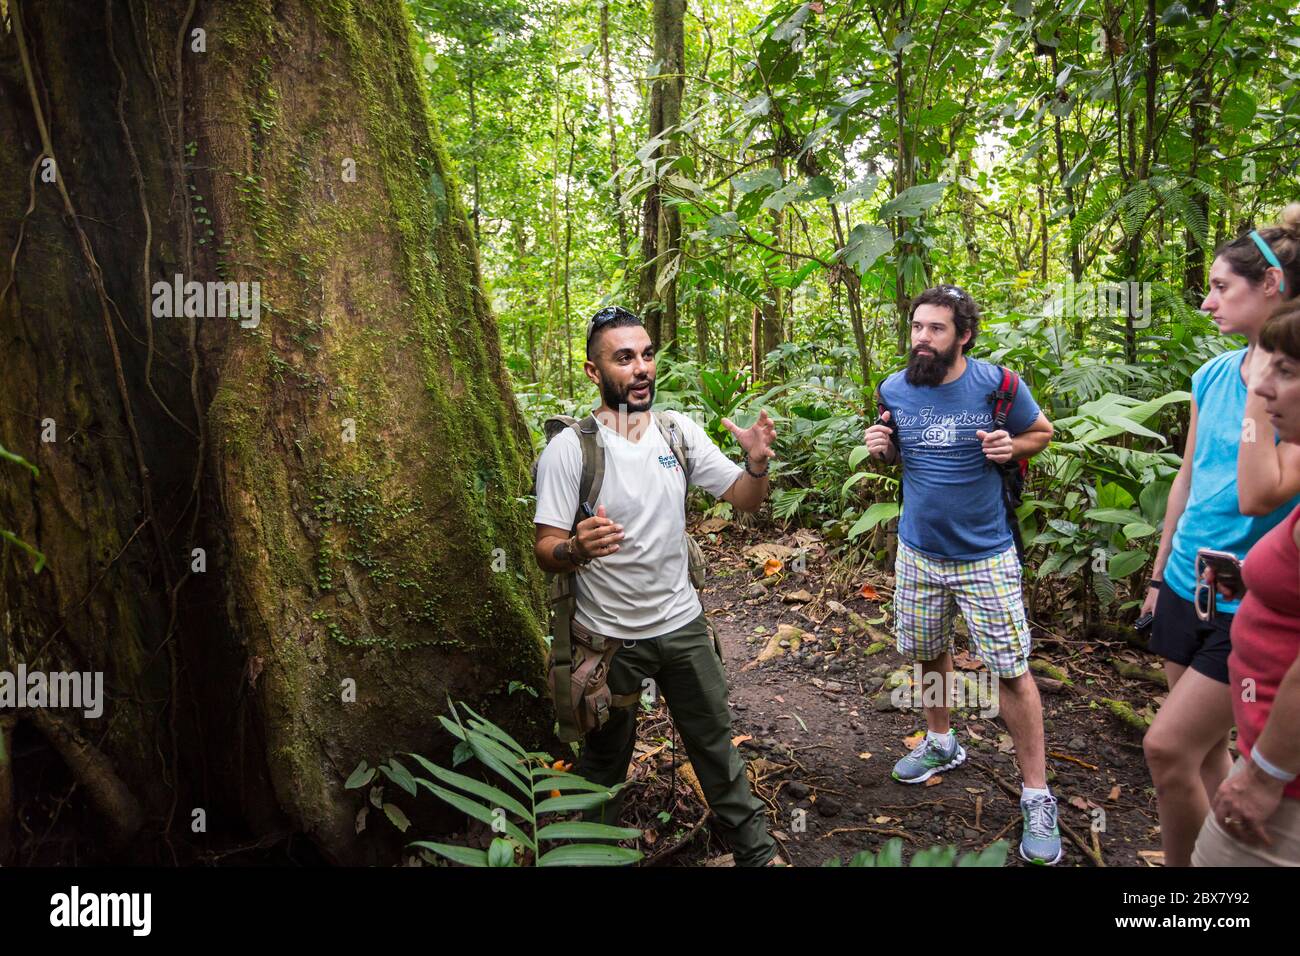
[(1265, 632)]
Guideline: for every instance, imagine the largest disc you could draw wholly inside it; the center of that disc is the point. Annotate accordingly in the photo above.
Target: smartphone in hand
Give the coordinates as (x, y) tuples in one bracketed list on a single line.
[(1218, 571)]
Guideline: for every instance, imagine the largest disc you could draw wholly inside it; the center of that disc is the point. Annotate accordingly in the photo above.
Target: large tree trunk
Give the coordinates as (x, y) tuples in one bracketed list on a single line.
[(661, 225), (350, 465)]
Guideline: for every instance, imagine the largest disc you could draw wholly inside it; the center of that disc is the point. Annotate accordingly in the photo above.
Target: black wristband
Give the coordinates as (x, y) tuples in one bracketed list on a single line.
[(753, 474)]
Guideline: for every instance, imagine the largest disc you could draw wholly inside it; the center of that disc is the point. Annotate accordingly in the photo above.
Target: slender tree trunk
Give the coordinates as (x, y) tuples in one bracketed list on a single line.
[(607, 81), (261, 527), (473, 144), (904, 178), (701, 330), (1194, 263), (568, 246)]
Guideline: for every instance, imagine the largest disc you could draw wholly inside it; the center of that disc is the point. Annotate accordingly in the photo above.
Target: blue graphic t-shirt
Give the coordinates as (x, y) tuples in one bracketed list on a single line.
[(952, 494)]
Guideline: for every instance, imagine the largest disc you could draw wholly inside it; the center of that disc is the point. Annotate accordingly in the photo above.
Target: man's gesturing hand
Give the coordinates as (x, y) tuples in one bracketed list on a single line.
[(598, 536), (997, 445), (878, 438), (757, 439)]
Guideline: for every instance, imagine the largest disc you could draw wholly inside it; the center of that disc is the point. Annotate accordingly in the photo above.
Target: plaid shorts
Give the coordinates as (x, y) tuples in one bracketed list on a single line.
[(928, 591)]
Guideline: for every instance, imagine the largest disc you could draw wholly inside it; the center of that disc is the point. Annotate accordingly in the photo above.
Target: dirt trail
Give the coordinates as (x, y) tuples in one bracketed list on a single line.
[(819, 728)]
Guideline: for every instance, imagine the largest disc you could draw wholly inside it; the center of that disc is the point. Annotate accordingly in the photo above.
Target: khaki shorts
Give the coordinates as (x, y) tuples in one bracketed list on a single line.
[(1216, 847)]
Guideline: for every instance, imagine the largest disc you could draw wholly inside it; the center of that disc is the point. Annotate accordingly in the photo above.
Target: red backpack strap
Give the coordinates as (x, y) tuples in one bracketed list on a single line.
[(1004, 396)]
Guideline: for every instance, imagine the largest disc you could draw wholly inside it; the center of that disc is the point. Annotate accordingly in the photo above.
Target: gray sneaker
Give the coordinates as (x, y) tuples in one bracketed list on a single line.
[(927, 760), (1041, 841)]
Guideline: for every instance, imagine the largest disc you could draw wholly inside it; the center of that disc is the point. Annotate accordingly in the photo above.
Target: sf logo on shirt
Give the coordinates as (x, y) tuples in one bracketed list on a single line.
[(941, 433)]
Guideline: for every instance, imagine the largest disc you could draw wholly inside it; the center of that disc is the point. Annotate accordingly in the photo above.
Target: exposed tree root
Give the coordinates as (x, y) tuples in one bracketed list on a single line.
[(94, 771)]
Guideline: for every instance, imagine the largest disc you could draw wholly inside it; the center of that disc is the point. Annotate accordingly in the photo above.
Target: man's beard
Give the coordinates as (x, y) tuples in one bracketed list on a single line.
[(930, 369), (616, 398)]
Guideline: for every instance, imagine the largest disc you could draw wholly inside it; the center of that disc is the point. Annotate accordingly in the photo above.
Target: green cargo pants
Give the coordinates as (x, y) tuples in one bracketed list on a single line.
[(688, 672)]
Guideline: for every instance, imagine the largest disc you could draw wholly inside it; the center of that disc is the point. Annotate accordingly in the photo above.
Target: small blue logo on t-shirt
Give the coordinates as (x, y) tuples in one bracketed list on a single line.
[(668, 461)]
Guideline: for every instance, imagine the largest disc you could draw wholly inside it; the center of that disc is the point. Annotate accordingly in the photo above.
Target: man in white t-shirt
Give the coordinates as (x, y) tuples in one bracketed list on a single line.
[(632, 579)]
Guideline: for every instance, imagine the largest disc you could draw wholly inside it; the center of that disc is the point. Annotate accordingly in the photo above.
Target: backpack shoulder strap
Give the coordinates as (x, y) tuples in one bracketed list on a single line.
[(563, 597), (675, 440), (1004, 396), (593, 464)]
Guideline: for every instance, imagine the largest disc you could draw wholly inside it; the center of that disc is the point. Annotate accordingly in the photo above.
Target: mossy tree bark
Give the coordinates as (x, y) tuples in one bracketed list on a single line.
[(352, 466)]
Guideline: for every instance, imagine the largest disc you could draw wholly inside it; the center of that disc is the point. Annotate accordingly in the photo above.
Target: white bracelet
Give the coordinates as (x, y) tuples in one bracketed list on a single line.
[(1277, 773)]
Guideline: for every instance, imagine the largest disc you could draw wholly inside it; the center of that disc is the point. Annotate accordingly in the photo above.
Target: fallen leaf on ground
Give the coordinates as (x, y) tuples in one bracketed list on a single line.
[(1080, 803), (864, 756), (779, 699), (974, 790), (1005, 744), (714, 525), (797, 597), (962, 660), (934, 781), (1152, 857), (740, 739), (869, 592), (914, 741), (1114, 793), (771, 566), (761, 553)]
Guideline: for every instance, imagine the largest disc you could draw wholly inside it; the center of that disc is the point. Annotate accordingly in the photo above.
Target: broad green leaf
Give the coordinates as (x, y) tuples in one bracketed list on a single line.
[(501, 852), (880, 511), (581, 830), (865, 245), (1125, 563), (751, 182), (914, 201), (457, 854), (493, 795), (723, 225), (567, 782), (941, 114), (359, 777), (1238, 108), (862, 189), (397, 817), (1112, 516), (479, 812), (787, 30), (395, 772), (586, 854), (574, 801)]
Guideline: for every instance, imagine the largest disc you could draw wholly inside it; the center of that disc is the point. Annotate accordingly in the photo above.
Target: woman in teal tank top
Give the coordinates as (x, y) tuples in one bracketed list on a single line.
[(1186, 745)]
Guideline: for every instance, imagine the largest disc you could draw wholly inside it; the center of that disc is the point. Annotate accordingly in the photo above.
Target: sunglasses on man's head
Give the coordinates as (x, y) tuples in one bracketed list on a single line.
[(606, 316)]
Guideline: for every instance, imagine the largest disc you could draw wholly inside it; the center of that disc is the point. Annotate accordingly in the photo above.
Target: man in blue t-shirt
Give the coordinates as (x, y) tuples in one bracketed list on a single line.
[(955, 547)]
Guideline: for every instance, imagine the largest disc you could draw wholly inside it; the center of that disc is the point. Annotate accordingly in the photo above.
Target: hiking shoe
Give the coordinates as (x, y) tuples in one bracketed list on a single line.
[(1041, 841), (927, 760)]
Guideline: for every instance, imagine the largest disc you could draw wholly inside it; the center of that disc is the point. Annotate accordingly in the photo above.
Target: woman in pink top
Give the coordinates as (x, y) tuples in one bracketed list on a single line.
[(1256, 812)]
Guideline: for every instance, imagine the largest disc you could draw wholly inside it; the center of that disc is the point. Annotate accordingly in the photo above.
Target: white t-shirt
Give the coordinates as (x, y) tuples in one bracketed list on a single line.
[(643, 589)]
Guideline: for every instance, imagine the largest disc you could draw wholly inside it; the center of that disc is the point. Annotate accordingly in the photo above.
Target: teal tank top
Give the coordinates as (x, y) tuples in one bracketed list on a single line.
[(1212, 518)]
